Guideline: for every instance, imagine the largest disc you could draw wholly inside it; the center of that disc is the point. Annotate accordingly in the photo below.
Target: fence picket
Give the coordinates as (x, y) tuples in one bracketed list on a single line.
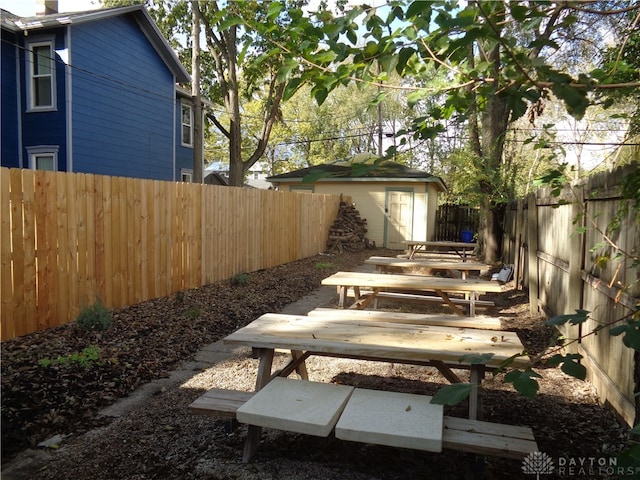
[(558, 262), (69, 239), (6, 277)]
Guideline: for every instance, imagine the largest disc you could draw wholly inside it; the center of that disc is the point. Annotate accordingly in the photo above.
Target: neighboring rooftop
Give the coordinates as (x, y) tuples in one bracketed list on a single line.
[(359, 169)]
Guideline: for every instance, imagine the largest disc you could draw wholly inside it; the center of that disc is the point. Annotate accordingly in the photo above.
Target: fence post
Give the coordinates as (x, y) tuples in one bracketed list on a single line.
[(517, 254), (532, 242), (576, 259)]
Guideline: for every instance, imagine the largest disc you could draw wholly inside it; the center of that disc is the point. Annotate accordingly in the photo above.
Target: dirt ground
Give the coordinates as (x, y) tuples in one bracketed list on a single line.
[(163, 440)]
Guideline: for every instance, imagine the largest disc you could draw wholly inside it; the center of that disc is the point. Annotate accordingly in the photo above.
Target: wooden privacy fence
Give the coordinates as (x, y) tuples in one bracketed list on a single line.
[(68, 240), (452, 219), (564, 271)]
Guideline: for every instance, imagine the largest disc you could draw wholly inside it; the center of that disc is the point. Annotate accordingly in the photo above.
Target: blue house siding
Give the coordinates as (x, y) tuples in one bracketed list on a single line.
[(49, 127), (9, 98), (122, 102)]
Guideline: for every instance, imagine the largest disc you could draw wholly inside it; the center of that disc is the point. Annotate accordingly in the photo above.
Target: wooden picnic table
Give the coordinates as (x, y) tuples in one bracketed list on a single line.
[(383, 264), (381, 282), (415, 246), (441, 347)]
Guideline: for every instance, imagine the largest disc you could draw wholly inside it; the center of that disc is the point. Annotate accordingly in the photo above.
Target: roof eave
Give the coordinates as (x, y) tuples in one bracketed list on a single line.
[(161, 45), (439, 183), (140, 14)]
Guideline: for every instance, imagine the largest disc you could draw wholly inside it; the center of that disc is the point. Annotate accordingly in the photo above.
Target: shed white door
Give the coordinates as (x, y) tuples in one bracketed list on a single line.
[(398, 221)]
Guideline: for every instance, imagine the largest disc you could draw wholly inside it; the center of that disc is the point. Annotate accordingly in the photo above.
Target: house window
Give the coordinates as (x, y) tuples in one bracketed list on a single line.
[(187, 125), (43, 158), (186, 175), (41, 91)]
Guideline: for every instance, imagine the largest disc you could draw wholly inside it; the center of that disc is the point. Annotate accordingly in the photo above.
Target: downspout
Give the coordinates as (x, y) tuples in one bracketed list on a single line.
[(19, 107), (174, 122), (69, 100)]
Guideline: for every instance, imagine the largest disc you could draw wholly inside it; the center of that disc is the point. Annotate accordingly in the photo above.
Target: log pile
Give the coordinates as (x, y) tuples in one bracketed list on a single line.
[(348, 231)]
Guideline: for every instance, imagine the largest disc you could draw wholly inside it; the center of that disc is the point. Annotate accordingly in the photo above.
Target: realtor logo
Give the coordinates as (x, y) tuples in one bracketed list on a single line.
[(538, 463)]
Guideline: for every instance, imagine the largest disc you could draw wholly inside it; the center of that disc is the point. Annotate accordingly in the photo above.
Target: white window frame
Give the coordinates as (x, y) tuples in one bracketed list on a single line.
[(42, 151), (186, 175), (31, 93), (184, 105)]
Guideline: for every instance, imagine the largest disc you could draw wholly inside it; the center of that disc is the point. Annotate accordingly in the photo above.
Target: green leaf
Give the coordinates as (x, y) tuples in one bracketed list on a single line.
[(325, 56), (570, 364), (292, 87), (577, 318), (518, 12), (285, 69), (419, 8), (575, 99), (315, 175), (524, 382), (403, 58), (229, 22), (320, 95), (631, 334), (477, 359), (274, 10), (574, 369), (452, 394)]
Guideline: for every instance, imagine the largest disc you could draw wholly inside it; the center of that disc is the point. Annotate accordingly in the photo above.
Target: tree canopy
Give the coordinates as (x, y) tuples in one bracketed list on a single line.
[(502, 61)]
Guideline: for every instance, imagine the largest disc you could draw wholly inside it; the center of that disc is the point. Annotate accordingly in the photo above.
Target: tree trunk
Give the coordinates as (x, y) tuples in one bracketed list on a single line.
[(491, 232), (198, 151)]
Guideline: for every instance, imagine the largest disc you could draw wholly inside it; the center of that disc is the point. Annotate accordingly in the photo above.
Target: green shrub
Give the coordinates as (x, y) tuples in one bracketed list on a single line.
[(94, 317), (240, 279)]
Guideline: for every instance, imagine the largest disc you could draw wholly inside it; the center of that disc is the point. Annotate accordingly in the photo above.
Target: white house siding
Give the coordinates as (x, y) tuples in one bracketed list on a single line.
[(369, 198)]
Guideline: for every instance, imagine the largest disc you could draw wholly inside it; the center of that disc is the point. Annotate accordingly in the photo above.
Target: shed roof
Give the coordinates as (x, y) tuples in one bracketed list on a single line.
[(138, 12), (384, 171)]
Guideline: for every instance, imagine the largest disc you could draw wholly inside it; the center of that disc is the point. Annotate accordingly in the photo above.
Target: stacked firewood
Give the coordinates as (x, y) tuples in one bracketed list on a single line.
[(348, 230)]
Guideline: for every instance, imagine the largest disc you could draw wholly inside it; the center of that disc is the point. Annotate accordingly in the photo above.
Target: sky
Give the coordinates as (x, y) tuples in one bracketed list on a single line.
[(27, 8)]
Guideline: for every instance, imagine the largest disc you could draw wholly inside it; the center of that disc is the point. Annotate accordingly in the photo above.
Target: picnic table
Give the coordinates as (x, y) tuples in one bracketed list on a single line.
[(380, 284), (306, 407), (415, 246), (384, 264)]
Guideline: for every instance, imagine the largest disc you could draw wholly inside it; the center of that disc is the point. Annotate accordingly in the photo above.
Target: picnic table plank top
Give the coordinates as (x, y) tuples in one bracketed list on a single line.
[(410, 282), (391, 341), (433, 243), (437, 264)]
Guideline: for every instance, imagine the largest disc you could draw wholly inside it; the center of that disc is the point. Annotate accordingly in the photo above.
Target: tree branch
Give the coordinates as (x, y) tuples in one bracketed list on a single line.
[(218, 125)]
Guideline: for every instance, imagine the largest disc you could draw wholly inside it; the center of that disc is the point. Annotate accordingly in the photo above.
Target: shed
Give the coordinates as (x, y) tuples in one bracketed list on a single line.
[(399, 203)]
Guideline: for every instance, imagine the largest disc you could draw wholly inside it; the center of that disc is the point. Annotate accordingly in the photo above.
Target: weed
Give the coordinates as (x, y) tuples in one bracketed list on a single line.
[(87, 358), (324, 265), (95, 317), (179, 297), (193, 313)]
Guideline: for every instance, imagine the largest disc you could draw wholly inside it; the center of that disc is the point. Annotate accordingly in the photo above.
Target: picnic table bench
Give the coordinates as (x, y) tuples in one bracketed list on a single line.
[(355, 414), (416, 246), (462, 434), (386, 264), (393, 286)]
